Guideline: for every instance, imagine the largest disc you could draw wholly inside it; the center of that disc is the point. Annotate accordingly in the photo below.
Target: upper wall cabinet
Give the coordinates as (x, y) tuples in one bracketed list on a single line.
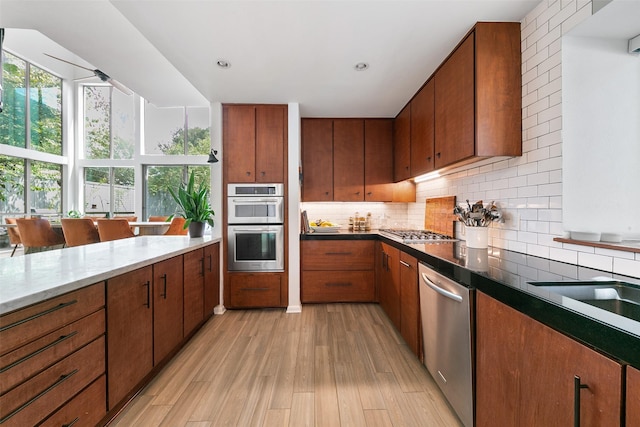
[(469, 109), (254, 142), (350, 160)]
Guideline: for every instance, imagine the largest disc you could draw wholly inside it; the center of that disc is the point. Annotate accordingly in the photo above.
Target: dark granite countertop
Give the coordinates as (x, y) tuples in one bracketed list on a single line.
[(505, 276)]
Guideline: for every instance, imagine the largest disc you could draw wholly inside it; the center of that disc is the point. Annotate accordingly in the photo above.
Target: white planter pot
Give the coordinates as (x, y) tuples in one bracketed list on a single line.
[(477, 237)]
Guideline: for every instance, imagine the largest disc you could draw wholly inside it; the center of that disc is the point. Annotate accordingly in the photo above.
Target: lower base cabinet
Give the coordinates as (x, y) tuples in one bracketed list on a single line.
[(84, 410), (129, 332), (528, 374), (254, 290), (632, 409)]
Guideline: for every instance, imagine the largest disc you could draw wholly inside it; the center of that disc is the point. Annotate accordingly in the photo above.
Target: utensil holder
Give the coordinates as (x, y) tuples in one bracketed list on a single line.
[(477, 237)]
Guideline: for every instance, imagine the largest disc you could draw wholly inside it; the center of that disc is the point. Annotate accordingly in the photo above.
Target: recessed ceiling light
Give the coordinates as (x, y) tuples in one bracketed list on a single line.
[(223, 63), (361, 66)]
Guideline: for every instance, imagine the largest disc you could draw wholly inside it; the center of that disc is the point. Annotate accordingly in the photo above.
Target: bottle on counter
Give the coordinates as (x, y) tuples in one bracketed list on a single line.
[(367, 222), (356, 222), (350, 223)]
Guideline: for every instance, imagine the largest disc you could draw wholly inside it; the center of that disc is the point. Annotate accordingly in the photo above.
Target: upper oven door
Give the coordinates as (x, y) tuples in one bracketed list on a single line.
[(255, 210)]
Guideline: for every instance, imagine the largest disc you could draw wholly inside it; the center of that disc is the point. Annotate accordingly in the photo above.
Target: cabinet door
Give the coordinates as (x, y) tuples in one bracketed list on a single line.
[(402, 145), (348, 160), (129, 332), (525, 373), (454, 106), (270, 143), (239, 142), (390, 283), (167, 307), (378, 160), (633, 397), (211, 279), (193, 290), (423, 130), (551, 363), (317, 160), (409, 302)]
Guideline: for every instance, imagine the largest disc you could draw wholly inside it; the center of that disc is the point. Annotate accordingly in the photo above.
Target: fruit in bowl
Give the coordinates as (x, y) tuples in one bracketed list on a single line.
[(323, 223)]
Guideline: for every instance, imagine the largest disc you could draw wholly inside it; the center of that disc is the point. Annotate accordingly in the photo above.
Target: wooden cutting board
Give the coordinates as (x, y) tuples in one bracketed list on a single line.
[(438, 215)]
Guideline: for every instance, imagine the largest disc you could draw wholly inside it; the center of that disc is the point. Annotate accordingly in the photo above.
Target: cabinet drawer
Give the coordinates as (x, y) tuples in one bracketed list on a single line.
[(254, 290), (26, 361), (338, 286), (84, 410), (25, 325), (337, 255), (35, 399)]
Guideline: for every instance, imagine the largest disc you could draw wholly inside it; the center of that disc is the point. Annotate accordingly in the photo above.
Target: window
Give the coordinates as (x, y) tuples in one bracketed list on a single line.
[(31, 119), (158, 200), (109, 191), (176, 131), (109, 124)]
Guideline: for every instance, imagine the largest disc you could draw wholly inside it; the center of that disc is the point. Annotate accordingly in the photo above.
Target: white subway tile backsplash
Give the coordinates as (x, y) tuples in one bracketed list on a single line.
[(580, 15), (563, 255), (535, 84), (562, 15), (599, 262), (626, 267)]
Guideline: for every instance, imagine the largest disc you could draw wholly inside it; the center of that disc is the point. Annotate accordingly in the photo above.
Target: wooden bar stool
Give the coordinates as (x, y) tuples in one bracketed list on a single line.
[(79, 231)]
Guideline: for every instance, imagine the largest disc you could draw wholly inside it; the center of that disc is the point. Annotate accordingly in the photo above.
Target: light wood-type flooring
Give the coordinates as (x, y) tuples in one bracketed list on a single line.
[(332, 365)]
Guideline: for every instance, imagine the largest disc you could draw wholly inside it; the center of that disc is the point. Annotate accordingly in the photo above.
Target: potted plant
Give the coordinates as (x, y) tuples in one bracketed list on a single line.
[(195, 207)]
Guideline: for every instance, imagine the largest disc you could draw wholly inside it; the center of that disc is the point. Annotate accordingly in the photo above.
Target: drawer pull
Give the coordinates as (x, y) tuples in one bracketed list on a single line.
[(35, 353), (339, 284), (148, 286), (72, 422), (405, 264), (62, 379), (35, 316), (338, 253), (210, 263), (255, 289)]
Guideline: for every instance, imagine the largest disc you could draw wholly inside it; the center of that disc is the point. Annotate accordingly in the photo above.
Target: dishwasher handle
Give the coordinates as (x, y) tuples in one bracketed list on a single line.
[(438, 289)]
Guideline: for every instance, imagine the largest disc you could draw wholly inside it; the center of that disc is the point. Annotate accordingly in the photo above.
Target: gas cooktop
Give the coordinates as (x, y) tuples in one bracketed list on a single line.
[(417, 236)]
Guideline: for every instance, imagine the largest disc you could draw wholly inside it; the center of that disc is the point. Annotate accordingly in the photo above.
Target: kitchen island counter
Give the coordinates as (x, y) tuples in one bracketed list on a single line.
[(505, 276), (30, 279)]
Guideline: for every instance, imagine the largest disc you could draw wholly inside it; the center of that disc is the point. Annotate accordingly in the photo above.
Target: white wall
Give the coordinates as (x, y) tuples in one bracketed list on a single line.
[(601, 132)]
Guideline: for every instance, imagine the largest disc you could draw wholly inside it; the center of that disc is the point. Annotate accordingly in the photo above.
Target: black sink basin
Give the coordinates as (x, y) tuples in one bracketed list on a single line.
[(614, 296)]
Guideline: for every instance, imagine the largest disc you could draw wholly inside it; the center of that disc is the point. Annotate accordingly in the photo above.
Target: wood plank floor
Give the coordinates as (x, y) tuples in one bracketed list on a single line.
[(332, 365)]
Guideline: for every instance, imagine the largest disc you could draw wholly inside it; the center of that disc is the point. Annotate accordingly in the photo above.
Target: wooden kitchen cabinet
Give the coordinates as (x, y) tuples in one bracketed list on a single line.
[(317, 160), (337, 271), (254, 138), (194, 270), (423, 130), (477, 97), (348, 160), (253, 290), (167, 307), (378, 167), (130, 332), (410, 302), (211, 279), (632, 408), (525, 373), (402, 145), (389, 282), (49, 353)]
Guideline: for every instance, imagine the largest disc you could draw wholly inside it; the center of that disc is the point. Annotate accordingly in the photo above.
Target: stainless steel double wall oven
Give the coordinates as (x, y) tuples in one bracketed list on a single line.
[(255, 233)]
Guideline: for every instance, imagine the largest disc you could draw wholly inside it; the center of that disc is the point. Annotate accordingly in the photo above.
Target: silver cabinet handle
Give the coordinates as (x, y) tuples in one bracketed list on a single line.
[(405, 264), (438, 289)]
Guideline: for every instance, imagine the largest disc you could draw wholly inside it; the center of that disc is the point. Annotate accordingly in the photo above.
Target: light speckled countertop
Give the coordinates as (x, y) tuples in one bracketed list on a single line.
[(29, 279)]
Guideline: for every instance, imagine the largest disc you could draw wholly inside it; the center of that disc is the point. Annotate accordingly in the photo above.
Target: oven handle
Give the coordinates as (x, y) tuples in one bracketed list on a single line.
[(438, 289), (244, 229), (254, 201)]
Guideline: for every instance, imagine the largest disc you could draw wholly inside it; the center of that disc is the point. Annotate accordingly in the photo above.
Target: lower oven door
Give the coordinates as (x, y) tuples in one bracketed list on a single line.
[(255, 248)]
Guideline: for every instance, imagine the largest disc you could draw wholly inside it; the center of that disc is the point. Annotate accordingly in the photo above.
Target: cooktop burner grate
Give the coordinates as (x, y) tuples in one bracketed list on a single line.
[(418, 236)]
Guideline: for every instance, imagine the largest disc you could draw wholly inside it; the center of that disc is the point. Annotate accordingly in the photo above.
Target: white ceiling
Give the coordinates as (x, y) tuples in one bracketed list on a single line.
[(280, 51)]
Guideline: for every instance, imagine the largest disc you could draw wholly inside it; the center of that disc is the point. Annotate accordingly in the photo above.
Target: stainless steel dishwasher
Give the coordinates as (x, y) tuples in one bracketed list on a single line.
[(445, 308)]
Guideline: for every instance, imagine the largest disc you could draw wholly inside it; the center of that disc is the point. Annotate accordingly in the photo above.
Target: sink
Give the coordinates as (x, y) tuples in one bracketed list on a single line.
[(613, 296)]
